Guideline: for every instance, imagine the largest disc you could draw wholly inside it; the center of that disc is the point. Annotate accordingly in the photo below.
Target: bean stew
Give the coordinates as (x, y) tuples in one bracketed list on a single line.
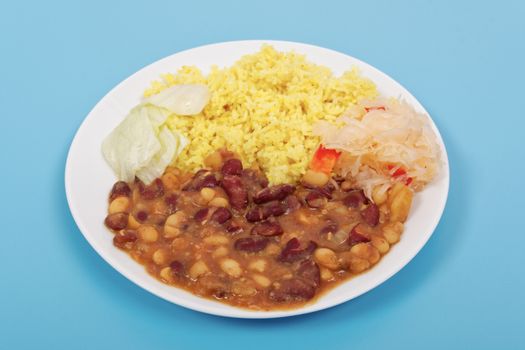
[(225, 233)]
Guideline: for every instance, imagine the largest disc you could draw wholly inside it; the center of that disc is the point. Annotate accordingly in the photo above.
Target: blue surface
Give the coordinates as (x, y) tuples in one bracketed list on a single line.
[(464, 61)]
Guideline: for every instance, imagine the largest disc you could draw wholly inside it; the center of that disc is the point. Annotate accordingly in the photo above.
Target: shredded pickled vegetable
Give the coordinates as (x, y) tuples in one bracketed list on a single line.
[(383, 141)]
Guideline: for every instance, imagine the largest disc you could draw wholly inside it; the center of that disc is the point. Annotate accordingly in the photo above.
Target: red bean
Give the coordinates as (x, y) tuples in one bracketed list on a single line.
[(278, 192), (151, 191), (371, 214), (116, 221), (236, 192), (251, 244), (309, 270), (125, 238), (292, 203), (232, 167), (221, 215), (267, 228), (357, 235), (171, 203), (201, 214), (141, 215), (273, 208), (293, 252), (177, 269), (331, 227), (232, 227), (120, 189), (315, 199), (295, 289), (202, 178), (355, 199), (255, 214)]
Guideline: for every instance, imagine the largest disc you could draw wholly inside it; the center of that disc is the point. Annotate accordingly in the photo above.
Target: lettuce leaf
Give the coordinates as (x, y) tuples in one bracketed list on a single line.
[(142, 145)]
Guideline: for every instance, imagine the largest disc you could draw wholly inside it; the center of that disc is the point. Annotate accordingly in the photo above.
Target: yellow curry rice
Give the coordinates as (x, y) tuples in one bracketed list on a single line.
[(263, 107)]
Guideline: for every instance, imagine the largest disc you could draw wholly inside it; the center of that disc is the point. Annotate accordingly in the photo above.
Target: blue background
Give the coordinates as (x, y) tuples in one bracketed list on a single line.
[(463, 60)]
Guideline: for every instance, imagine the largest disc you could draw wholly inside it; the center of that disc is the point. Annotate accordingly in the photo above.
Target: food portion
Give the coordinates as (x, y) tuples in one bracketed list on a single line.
[(266, 183), (225, 233)]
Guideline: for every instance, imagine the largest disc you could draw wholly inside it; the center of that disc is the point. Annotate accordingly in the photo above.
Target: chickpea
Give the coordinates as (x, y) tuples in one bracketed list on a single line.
[(148, 233), (361, 250), (272, 249), (346, 185), (379, 195), (160, 257), (392, 232), (327, 258), (207, 194), (231, 267), (198, 269), (326, 274), (258, 265), (242, 288), (119, 205), (315, 178), (165, 274), (170, 181), (216, 240), (172, 224), (358, 265), (219, 202), (214, 160), (400, 204), (133, 223), (179, 243), (374, 255), (261, 280), (220, 252), (381, 244)]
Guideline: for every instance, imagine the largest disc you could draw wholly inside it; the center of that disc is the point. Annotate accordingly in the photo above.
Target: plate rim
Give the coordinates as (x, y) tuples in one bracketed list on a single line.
[(232, 311)]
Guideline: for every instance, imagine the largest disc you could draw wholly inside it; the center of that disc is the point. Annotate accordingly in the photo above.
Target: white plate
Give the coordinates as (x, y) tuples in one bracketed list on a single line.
[(88, 178)]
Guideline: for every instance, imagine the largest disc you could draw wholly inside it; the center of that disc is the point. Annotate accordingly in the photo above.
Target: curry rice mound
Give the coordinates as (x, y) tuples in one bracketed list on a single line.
[(263, 108)]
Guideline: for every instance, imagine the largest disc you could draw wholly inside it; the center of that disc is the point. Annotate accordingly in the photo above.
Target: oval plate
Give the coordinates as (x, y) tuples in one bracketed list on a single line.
[(88, 178)]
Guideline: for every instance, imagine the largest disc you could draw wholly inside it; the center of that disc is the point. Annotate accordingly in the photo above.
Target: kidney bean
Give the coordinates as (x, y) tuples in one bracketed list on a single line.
[(141, 215), (232, 167), (277, 192), (267, 228), (236, 192), (116, 221), (295, 289), (120, 189), (309, 270), (315, 199), (357, 235), (232, 227), (371, 214), (292, 203), (153, 190), (201, 214), (273, 208), (177, 269), (221, 215), (251, 244), (355, 199), (292, 251), (171, 203), (255, 214), (202, 178), (331, 227), (121, 240)]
